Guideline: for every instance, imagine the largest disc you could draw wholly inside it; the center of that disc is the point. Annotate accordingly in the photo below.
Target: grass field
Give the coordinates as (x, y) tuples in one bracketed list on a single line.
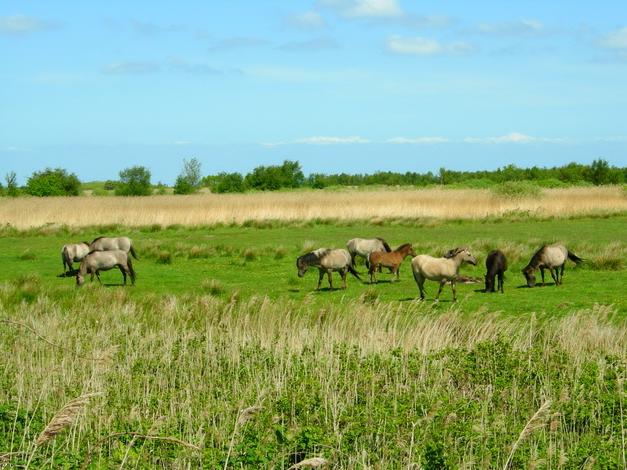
[(221, 356)]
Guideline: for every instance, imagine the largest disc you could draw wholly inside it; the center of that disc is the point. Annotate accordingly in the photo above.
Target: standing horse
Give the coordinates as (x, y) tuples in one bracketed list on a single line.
[(440, 269), (364, 246), (73, 252), (327, 260), (390, 260), (496, 265), (118, 243), (97, 261), (551, 257)]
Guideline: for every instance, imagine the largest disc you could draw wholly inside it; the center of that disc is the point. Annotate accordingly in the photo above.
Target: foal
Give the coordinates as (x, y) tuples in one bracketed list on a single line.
[(496, 264), (390, 260)]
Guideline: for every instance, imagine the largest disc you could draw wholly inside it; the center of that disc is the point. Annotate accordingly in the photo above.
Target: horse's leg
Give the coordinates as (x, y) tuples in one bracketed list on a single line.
[(453, 289), (320, 276), (501, 282), (554, 276), (98, 276), (371, 271), (395, 271), (542, 273), (330, 275), (343, 273), (123, 271), (562, 273), (442, 284)]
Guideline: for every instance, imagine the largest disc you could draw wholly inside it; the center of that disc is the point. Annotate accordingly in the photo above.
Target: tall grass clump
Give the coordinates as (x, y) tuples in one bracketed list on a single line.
[(517, 190)]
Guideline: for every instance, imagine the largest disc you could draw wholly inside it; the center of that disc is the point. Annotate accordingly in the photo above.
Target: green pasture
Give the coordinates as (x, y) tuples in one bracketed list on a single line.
[(258, 259)]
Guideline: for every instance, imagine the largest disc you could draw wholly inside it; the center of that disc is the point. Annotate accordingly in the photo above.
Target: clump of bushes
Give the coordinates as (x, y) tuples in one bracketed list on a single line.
[(53, 182), (517, 190)]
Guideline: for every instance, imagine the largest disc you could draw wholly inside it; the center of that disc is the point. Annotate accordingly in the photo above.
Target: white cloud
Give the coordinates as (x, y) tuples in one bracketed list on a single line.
[(512, 28), (130, 68), (425, 47), (307, 20), (417, 140), (365, 8), (20, 24), (615, 40), (511, 138)]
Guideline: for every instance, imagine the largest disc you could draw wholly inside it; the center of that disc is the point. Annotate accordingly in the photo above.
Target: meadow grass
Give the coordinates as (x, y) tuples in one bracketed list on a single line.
[(211, 209)]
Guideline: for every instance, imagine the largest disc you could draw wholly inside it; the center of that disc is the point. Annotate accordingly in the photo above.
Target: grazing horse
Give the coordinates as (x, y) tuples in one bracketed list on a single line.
[(551, 257), (390, 260), (496, 265), (118, 243), (97, 261), (327, 260), (364, 246), (443, 269), (73, 252)]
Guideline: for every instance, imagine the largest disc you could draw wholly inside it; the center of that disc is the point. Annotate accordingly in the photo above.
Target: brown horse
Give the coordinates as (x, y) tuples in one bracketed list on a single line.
[(391, 260)]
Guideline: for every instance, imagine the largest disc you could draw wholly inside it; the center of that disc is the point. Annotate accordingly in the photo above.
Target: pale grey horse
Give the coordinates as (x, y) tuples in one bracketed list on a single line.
[(364, 246), (327, 260), (97, 261), (73, 252), (551, 257), (443, 269), (113, 243)]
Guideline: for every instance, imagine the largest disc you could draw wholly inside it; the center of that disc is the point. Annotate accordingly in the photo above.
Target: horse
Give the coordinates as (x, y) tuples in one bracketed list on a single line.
[(364, 246), (97, 261), (73, 252), (496, 265), (443, 269), (117, 243), (327, 260), (390, 260), (551, 257)]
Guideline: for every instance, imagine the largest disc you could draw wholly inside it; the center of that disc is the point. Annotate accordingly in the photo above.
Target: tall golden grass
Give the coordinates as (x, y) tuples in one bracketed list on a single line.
[(209, 209)]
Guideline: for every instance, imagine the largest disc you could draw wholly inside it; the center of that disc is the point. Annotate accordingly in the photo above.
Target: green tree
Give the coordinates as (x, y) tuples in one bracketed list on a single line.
[(599, 172), (287, 175), (52, 182), (134, 181), (229, 183), (189, 180), (11, 180)]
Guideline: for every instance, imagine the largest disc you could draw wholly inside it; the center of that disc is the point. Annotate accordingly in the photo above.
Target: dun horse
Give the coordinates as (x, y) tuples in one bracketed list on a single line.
[(364, 246), (71, 253), (327, 261), (496, 265), (97, 261), (390, 260), (442, 270), (551, 257), (118, 243)]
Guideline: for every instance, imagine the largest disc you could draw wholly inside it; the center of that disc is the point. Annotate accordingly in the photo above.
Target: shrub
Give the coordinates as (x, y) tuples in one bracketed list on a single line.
[(229, 183), (517, 190), (134, 181), (189, 180), (288, 175), (11, 180), (53, 182)]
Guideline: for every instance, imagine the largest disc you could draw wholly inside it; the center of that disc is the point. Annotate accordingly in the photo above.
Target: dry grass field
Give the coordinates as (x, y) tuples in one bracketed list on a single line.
[(210, 209)]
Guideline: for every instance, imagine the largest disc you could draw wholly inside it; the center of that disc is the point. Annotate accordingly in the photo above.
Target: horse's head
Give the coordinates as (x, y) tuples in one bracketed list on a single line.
[(302, 266), (80, 279), (530, 276), (462, 253)]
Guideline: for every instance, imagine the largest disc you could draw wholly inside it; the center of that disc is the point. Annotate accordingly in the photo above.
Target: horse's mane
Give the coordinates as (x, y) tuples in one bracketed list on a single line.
[(311, 258), (536, 257), (96, 239), (403, 246), (385, 244), (86, 243), (451, 253)]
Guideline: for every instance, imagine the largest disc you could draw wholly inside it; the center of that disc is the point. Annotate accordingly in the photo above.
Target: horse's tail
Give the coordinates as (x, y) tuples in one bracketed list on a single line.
[(354, 273), (385, 244), (131, 271), (132, 250), (574, 257)]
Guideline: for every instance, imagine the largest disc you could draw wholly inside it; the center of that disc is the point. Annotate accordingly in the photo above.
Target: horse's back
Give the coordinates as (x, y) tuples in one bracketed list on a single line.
[(111, 243), (335, 259), (433, 268), (554, 255), (107, 258)]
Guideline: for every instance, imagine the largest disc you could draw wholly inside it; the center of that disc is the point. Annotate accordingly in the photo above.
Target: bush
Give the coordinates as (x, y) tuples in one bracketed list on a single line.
[(11, 189), (109, 185), (53, 182), (229, 183), (517, 190), (134, 181), (189, 180), (288, 175)]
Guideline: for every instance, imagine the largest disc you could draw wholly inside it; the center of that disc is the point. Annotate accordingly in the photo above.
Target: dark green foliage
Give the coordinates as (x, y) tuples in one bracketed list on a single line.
[(109, 185), (134, 181), (52, 182), (287, 175), (12, 189), (189, 180)]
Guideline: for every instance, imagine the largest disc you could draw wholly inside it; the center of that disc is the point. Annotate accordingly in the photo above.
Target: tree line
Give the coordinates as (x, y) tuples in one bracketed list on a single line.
[(136, 180)]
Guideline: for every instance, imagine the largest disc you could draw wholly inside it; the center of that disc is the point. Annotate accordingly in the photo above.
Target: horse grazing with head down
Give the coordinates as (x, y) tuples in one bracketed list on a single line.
[(113, 243), (327, 260), (97, 261), (390, 260), (496, 265), (551, 257), (364, 246), (71, 253), (443, 269)]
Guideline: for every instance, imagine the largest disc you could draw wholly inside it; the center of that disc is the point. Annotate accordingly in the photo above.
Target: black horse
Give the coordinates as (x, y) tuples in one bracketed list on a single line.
[(496, 264)]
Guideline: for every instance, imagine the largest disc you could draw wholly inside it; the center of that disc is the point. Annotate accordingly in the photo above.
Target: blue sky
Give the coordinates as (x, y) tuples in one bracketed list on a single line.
[(340, 85)]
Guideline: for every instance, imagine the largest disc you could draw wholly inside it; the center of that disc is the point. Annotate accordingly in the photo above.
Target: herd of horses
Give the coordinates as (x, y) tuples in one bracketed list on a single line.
[(444, 270), (106, 253)]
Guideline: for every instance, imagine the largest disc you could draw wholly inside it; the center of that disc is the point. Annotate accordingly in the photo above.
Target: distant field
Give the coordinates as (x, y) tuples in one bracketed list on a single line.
[(210, 209), (221, 356)]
